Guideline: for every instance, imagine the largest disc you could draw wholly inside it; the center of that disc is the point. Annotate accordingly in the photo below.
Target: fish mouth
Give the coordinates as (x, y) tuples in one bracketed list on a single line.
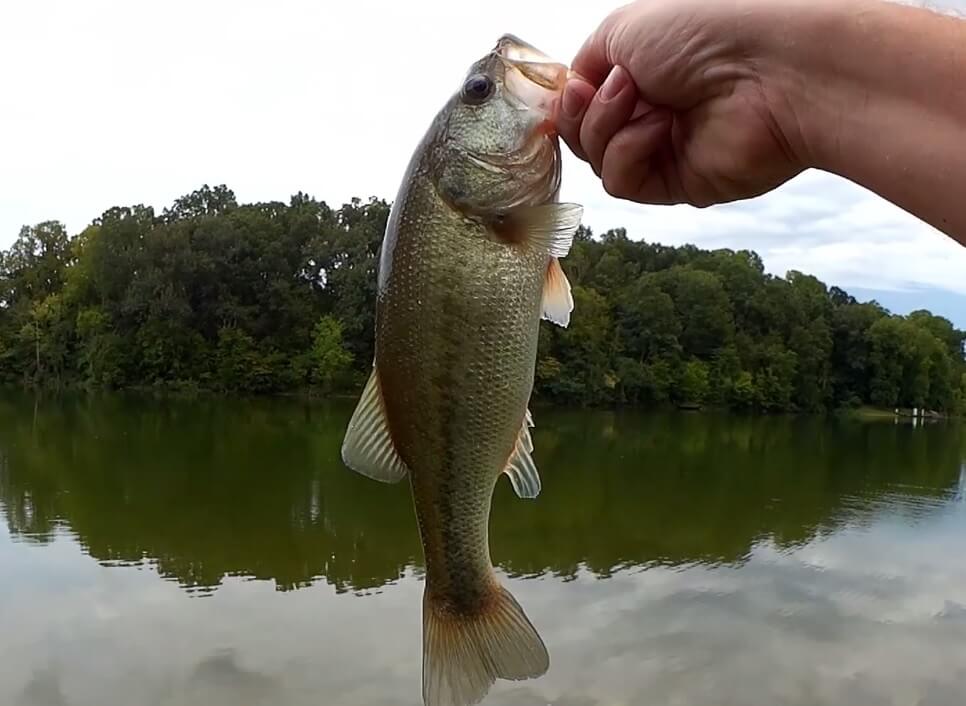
[(534, 79)]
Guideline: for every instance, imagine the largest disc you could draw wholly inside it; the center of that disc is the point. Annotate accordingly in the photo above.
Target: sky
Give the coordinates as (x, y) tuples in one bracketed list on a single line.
[(106, 103)]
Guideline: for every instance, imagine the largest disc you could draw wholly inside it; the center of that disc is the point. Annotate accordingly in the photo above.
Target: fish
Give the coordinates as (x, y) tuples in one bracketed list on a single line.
[(468, 267)]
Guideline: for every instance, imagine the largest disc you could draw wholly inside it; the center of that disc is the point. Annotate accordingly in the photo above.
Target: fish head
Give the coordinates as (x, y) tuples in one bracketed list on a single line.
[(497, 147)]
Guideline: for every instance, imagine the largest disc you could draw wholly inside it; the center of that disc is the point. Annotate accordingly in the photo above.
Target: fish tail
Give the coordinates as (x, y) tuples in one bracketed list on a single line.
[(463, 655)]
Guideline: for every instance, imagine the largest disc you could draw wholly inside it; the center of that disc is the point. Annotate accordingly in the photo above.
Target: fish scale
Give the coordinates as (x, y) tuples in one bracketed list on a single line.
[(466, 378), (468, 267)]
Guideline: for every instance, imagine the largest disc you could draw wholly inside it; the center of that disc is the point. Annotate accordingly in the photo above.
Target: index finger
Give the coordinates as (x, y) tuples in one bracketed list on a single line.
[(594, 60)]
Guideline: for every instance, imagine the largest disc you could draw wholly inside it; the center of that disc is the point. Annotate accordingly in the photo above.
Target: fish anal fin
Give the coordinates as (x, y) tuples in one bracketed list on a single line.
[(368, 447), (463, 655), (520, 466), (558, 301)]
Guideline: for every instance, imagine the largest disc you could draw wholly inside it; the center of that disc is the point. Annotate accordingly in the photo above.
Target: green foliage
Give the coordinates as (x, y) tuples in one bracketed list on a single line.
[(695, 383), (959, 396), (330, 359), (775, 377), (584, 351), (743, 392), (701, 306), (99, 350), (270, 297), (239, 365)]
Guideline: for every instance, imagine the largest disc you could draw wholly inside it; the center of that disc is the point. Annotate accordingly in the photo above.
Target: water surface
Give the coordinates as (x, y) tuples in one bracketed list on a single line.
[(217, 552)]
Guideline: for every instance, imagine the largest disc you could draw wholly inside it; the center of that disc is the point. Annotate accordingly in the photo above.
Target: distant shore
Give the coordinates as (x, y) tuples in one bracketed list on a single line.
[(349, 397), (908, 414)]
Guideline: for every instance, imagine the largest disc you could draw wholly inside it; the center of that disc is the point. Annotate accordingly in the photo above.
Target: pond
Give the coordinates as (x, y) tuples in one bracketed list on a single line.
[(215, 552)]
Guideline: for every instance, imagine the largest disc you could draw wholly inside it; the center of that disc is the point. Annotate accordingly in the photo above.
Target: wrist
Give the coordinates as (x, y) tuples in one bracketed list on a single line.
[(840, 74), (800, 55), (872, 91)]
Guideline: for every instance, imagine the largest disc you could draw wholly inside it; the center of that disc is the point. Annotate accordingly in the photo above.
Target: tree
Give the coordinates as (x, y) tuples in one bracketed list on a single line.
[(694, 382), (35, 265), (330, 359), (850, 358), (343, 258), (585, 352), (775, 379), (647, 323), (202, 202), (703, 309)]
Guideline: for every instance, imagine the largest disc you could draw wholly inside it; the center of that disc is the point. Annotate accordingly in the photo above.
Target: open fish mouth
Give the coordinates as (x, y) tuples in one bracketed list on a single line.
[(532, 77), (531, 62)]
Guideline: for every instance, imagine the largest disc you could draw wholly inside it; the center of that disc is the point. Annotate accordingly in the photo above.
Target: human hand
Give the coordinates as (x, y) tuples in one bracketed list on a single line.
[(681, 101)]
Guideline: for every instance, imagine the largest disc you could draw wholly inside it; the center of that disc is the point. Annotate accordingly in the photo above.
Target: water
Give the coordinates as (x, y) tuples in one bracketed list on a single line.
[(217, 553)]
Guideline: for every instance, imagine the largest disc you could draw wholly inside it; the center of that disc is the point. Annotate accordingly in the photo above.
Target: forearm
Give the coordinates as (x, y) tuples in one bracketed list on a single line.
[(876, 92)]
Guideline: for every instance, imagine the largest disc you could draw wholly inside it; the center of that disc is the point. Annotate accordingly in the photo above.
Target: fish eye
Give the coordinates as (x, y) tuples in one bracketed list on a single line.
[(477, 89)]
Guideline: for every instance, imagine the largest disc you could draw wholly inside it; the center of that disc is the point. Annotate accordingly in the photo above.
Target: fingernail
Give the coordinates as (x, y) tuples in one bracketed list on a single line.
[(572, 103), (616, 80)]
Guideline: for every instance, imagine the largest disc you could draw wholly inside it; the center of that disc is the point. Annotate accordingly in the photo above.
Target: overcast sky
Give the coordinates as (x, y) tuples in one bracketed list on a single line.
[(106, 103)]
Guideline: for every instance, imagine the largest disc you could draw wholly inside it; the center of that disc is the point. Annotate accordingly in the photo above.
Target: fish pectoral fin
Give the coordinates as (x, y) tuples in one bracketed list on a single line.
[(368, 447), (550, 226), (558, 301), (520, 467)]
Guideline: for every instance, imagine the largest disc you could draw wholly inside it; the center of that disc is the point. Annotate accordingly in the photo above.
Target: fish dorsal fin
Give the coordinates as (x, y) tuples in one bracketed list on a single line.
[(558, 301), (520, 466), (368, 448), (550, 226)]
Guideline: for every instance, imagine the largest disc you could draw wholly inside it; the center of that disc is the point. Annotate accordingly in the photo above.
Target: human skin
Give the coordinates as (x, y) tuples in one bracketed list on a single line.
[(684, 101)]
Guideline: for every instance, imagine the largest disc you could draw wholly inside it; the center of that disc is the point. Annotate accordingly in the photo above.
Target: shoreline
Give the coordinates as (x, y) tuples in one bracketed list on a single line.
[(175, 392)]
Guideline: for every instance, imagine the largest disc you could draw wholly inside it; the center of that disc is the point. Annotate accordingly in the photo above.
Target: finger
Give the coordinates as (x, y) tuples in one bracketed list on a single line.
[(576, 97), (608, 112), (631, 163), (593, 60)]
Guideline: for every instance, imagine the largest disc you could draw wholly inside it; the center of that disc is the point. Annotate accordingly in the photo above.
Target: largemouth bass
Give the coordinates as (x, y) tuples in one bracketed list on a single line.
[(468, 267)]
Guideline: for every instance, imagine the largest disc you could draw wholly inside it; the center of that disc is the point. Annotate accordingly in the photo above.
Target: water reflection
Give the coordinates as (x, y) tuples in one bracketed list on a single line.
[(206, 490), (748, 561)]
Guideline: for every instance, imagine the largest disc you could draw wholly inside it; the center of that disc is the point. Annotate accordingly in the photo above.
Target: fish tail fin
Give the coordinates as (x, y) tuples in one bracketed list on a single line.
[(463, 655)]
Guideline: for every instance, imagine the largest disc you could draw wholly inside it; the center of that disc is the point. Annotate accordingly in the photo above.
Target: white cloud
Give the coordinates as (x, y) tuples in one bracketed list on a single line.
[(817, 223), (116, 103)]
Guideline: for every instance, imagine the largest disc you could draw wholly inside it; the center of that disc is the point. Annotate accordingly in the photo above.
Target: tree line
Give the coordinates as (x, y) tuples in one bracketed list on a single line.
[(273, 297)]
